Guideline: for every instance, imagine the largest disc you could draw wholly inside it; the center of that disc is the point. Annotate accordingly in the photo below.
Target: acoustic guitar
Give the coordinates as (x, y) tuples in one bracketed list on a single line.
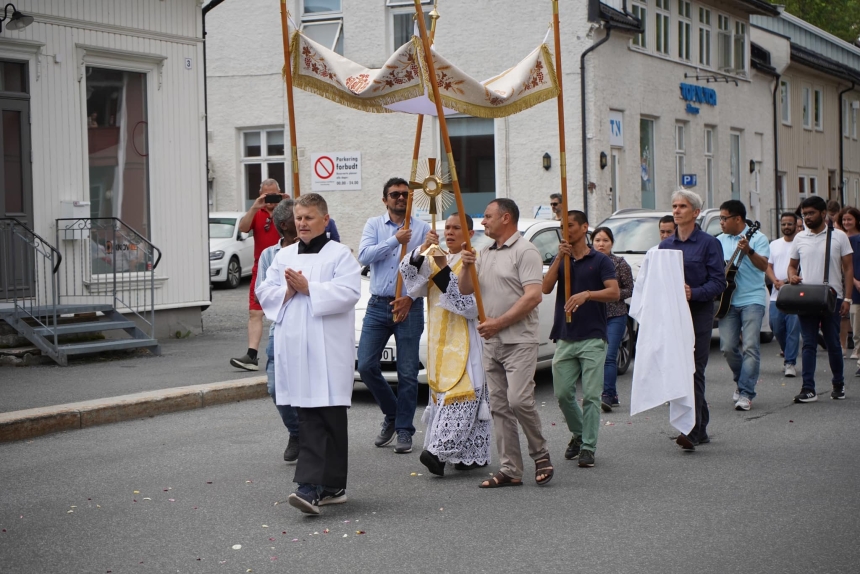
[(732, 266)]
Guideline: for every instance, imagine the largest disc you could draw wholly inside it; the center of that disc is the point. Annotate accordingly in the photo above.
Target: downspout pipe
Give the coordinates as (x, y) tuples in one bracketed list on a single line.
[(842, 144), (584, 127), (777, 191), (206, 9)]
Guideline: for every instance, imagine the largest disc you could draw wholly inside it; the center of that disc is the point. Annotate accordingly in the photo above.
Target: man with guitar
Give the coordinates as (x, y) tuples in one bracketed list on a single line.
[(742, 304)]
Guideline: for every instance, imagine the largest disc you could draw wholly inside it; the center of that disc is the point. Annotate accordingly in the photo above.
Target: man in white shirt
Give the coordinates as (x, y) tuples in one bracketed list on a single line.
[(785, 327), (808, 253)]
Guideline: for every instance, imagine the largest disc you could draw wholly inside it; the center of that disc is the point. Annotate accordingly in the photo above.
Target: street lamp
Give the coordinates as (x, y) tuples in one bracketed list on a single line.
[(17, 21), (547, 161)]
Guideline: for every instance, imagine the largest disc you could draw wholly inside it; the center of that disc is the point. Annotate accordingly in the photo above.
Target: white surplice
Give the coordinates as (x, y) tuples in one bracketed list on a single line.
[(664, 348), (314, 334)]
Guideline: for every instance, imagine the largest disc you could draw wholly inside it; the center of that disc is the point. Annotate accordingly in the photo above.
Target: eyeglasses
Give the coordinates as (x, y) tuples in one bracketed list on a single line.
[(808, 214), (554, 204), (268, 224), (727, 217), (398, 194)]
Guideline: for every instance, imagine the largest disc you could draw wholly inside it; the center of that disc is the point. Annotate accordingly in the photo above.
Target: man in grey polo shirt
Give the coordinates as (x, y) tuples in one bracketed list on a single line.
[(510, 272)]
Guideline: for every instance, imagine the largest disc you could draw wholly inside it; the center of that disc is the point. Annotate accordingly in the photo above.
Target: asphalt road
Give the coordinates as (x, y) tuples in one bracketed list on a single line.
[(192, 361), (776, 491)]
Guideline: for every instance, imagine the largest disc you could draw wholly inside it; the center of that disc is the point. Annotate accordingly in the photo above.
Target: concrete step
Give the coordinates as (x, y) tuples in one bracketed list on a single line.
[(88, 327), (110, 345)]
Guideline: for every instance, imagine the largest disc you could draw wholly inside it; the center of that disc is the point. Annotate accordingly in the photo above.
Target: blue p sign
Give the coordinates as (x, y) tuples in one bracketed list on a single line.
[(689, 180)]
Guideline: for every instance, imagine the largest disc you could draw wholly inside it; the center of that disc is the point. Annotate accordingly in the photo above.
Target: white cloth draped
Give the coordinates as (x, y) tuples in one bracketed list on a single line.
[(664, 348), (315, 334)]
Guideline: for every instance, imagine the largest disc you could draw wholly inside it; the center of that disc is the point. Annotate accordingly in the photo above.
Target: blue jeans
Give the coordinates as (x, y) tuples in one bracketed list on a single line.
[(288, 413), (740, 342), (614, 333), (786, 329), (830, 331), (377, 328)]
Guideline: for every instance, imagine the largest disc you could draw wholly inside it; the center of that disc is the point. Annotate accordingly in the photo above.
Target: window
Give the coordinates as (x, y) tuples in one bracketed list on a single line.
[(118, 146), (403, 21), (709, 166), (785, 101), (818, 111), (662, 27), (735, 138), (813, 185), (646, 160), (547, 243), (740, 48), (641, 40), (807, 103), (473, 143), (262, 158), (705, 37), (680, 151), (724, 43), (322, 22), (802, 187), (684, 27)]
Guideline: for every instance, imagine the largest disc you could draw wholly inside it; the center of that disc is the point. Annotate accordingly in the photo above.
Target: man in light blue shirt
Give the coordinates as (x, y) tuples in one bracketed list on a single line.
[(740, 329), (392, 314)]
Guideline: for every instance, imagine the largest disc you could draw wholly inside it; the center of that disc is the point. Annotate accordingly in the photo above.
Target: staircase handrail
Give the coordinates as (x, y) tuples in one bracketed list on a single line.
[(40, 238)]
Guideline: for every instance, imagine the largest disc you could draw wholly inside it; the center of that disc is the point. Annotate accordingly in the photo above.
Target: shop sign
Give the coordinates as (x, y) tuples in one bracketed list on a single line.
[(698, 94)]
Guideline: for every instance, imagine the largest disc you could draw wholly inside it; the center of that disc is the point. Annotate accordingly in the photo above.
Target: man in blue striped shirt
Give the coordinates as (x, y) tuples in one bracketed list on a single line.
[(392, 314)]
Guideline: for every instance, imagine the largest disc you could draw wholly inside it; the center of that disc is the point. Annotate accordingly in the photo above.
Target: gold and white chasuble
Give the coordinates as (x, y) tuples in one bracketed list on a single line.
[(458, 416)]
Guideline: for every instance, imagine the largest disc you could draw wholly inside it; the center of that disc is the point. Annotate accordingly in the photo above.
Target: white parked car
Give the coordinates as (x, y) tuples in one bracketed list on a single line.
[(545, 235), (231, 252)]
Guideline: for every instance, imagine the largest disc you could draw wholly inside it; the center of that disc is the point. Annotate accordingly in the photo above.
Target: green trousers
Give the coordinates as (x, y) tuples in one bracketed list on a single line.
[(575, 360)]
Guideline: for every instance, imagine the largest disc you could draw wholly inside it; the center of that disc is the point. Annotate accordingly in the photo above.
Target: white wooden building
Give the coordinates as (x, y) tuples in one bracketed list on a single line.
[(104, 100)]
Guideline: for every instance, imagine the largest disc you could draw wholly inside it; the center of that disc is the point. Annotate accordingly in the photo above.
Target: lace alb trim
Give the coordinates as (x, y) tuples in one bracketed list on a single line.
[(455, 302)]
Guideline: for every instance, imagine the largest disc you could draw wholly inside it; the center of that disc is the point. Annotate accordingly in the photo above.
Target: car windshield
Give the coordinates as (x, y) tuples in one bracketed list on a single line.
[(221, 227), (633, 234), (714, 227)]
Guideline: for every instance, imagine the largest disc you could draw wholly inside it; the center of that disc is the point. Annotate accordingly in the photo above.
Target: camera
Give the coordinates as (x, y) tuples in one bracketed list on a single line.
[(273, 198)]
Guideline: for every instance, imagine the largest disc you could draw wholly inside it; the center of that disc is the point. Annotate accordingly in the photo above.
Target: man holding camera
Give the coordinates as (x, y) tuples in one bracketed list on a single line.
[(258, 220)]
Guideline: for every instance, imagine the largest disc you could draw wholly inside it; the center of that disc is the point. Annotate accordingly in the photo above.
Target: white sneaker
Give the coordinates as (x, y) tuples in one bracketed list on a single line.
[(854, 355), (743, 404), (736, 396), (790, 371)]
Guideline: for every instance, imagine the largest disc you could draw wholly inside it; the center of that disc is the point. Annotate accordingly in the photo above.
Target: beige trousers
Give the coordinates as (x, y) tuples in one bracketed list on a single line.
[(510, 377)]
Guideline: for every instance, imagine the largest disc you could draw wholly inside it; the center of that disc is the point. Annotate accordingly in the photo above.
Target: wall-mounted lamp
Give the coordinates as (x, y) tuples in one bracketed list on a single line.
[(17, 21), (752, 166), (547, 161), (603, 160)]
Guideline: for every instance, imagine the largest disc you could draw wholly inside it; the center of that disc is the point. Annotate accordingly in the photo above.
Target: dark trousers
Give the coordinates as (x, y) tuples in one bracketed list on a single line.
[(323, 447), (703, 325), (829, 324)]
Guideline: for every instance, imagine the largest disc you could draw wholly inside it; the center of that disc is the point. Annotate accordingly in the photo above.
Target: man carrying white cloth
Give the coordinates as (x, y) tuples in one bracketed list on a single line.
[(310, 293), (458, 416)]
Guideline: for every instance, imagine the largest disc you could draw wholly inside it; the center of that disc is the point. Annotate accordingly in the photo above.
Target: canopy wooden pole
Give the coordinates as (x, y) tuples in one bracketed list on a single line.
[(443, 126), (416, 149), (562, 147), (288, 76)]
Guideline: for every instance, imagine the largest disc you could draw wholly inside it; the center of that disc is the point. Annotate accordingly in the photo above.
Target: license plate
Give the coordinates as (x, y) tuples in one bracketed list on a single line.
[(389, 354)]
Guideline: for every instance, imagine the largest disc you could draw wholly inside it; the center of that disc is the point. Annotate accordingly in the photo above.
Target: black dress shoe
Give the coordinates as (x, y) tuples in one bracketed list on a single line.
[(432, 462), (704, 440), (685, 443)]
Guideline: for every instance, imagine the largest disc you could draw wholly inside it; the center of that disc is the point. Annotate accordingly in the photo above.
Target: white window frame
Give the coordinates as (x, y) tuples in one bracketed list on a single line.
[(709, 165), (640, 10), (813, 184), (663, 24), (320, 18), (739, 43), (785, 101), (264, 158), (724, 41), (685, 31), (803, 186), (704, 37), (807, 107), (735, 164), (818, 109), (680, 150), (398, 7)]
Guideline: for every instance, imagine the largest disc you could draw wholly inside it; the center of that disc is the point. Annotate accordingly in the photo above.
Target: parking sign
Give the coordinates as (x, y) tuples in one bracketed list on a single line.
[(689, 180)]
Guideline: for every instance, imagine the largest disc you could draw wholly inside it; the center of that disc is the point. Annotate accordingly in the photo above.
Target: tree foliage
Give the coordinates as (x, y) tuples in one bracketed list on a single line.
[(839, 17)]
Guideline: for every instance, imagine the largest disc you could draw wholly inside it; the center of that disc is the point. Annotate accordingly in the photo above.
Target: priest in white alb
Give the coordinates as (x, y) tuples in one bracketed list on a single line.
[(458, 415), (310, 292)]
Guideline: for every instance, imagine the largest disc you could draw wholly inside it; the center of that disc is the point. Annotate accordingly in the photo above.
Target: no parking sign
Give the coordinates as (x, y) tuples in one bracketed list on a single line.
[(336, 171)]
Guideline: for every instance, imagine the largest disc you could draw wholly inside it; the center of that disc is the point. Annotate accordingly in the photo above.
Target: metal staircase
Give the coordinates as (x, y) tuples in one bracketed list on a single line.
[(97, 279)]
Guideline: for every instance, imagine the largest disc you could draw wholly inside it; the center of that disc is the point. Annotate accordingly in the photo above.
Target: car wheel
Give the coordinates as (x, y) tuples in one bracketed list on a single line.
[(628, 345), (766, 337), (234, 273)]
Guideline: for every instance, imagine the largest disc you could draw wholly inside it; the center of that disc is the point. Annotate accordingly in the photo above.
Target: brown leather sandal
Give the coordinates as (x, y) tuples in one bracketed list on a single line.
[(543, 467), (499, 480)]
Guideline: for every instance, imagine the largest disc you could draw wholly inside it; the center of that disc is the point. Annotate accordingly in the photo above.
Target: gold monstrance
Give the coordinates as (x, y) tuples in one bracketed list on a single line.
[(432, 189)]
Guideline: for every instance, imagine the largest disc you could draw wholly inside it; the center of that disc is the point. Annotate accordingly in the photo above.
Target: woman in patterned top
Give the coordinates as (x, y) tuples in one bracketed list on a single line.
[(616, 316)]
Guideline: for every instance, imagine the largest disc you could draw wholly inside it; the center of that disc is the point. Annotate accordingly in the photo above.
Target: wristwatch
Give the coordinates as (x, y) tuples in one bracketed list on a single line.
[(751, 252)]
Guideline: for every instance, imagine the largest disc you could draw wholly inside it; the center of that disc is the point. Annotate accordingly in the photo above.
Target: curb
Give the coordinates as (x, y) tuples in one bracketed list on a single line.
[(30, 423)]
